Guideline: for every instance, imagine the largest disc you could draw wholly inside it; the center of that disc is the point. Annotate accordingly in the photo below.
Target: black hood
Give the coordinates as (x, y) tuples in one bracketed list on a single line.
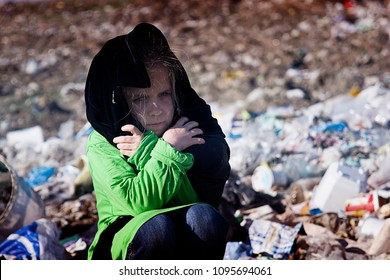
[(120, 63)]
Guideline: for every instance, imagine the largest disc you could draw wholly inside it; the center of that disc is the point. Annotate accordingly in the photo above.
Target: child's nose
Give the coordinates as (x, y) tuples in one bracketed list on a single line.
[(155, 108)]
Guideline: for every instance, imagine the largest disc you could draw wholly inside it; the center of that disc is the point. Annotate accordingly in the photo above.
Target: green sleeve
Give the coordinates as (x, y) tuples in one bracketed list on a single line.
[(159, 179)]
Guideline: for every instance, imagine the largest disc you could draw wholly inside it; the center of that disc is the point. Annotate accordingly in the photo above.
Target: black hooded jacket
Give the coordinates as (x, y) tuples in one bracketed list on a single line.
[(120, 63)]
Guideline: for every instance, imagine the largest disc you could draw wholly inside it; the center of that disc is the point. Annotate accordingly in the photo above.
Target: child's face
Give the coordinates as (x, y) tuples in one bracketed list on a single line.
[(153, 107)]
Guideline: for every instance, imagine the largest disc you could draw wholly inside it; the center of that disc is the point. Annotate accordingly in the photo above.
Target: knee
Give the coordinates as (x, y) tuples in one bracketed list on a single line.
[(162, 227), (154, 239), (205, 215), (159, 229), (204, 212)]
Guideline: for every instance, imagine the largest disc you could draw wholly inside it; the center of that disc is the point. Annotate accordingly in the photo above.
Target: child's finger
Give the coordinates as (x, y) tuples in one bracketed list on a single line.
[(196, 131), (191, 125), (132, 129), (181, 122)]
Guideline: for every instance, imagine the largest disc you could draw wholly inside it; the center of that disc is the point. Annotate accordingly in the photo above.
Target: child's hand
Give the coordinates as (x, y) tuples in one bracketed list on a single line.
[(127, 145), (182, 134)]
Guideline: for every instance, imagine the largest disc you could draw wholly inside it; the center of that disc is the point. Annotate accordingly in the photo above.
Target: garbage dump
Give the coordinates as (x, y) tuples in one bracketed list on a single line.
[(52, 207), (305, 184), (300, 88), (328, 169)]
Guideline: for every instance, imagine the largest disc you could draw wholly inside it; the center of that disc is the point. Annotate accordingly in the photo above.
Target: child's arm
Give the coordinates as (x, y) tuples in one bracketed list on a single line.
[(129, 144), (129, 191)]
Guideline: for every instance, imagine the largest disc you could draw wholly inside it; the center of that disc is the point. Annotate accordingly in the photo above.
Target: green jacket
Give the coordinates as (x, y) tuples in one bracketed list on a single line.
[(151, 182)]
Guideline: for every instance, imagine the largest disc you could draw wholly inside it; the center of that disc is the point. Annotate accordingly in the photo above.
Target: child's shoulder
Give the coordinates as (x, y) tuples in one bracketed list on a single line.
[(96, 139)]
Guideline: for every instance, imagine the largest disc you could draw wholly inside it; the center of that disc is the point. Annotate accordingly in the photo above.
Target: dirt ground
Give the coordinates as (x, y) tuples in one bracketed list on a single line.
[(228, 47)]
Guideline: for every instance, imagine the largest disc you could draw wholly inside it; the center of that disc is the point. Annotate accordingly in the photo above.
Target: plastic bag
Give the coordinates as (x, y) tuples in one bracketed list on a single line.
[(36, 241)]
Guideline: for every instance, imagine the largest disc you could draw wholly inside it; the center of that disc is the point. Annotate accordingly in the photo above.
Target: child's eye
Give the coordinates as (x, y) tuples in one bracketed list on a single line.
[(166, 93), (138, 99)]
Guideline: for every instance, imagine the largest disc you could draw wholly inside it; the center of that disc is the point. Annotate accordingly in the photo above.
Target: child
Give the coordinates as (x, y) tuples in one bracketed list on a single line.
[(158, 159)]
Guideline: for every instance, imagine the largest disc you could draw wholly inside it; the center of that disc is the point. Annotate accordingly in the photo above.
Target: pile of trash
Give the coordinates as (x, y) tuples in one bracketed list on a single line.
[(311, 183), (305, 184), (47, 207)]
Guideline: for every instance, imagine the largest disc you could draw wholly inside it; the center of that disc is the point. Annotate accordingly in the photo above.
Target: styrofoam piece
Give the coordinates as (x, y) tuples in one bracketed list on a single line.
[(339, 183), (31, 135)]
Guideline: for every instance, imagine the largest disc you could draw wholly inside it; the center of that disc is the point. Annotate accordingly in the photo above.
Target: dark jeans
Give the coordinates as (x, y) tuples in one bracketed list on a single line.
[(196, 232)]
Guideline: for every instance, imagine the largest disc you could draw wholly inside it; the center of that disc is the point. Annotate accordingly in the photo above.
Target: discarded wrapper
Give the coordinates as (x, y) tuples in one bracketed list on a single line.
[(365, 203)]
